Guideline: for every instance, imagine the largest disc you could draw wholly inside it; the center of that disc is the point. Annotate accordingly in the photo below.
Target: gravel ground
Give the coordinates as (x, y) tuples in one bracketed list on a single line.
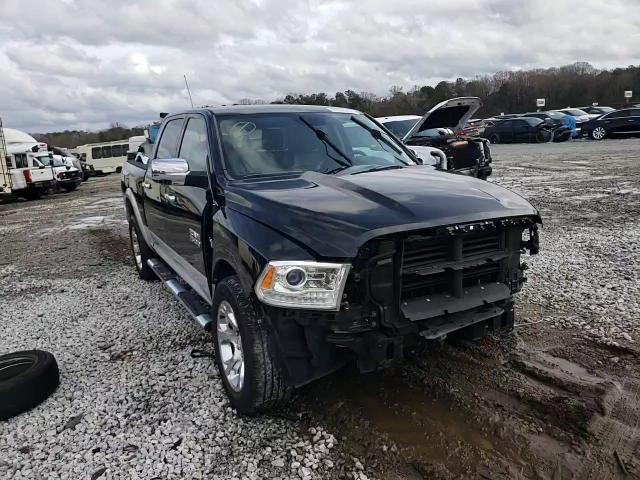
[(557, 399)]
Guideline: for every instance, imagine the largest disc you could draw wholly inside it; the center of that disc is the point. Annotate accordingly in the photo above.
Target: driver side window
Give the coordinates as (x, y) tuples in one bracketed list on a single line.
[(169, 139), (195, 146)]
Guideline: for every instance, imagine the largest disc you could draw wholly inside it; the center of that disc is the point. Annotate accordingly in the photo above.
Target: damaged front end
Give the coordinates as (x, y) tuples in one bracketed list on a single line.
[(429, 283)]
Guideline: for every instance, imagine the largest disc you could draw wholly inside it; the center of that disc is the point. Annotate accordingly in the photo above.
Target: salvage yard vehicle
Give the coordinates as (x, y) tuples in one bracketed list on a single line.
[(103, 158), (518, 130), (303, 252), (29, 178), (440, 128), (615, 124), (67, 177)]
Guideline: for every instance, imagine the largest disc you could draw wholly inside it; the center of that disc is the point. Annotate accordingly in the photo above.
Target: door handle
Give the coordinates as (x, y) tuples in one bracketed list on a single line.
[(168, 197), (146, 185)]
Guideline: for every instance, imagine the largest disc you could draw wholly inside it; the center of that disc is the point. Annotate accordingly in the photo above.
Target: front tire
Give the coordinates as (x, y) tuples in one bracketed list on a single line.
[(141, 252), (598, 133), (494, 138), (250, 373), (70, 188)]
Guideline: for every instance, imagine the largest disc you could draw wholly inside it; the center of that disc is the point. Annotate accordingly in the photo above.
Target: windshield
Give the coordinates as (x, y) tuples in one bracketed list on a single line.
[(556, 115), (51, 162), (400, 127), (277, 143), (574, 112)]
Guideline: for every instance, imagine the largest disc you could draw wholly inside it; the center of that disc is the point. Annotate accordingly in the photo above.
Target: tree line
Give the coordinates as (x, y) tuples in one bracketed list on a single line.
[(574, 85)]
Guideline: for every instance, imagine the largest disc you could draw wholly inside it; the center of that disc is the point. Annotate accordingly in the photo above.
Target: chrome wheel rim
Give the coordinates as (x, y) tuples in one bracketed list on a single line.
[(598, 133), (230, 346), (135, 244)]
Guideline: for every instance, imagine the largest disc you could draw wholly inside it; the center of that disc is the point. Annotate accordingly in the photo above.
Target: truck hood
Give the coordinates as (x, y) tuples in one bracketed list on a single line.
[(334, 215), (453, 114)]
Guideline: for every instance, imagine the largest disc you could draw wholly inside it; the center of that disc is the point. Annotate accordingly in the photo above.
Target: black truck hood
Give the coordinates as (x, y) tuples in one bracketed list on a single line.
[(334, 215)]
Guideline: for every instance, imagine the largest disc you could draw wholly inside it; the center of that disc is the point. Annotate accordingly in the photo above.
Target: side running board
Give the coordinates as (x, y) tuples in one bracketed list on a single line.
[(190, 299)]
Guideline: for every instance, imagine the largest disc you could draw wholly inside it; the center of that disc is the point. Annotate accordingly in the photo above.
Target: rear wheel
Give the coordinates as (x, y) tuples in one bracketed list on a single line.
[(598, 133), (250, 374), (34, 194), (141, 252), (494, 138)]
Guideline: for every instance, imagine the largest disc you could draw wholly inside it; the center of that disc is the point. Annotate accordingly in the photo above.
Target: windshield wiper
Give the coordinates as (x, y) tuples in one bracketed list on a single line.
[(377, 134), (378, 169), (324, 138)]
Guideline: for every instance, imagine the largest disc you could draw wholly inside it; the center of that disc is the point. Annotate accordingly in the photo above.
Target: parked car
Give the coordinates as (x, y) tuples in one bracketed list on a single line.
[(597, 110), (518, 130), (467, 155), (302, 253), (28, 178), (580, 115), (67, 177), (562, 125), (617, 123)]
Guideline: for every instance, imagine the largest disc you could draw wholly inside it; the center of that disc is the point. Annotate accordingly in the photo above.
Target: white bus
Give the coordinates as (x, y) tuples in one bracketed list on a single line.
[(106, 157)]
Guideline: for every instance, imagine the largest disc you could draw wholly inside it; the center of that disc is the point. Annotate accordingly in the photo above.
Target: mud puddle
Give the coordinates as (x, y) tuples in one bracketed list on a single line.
[(490, 410)]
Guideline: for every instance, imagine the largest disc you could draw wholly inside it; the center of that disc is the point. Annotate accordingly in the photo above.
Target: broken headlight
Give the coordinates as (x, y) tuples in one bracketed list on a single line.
[(302, 284)]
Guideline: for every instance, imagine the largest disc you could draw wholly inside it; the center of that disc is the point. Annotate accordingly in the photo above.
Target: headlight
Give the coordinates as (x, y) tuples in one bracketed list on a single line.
[(303, 284)]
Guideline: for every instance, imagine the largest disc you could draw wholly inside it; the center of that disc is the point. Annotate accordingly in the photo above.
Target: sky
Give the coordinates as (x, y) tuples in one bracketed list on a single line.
[(87, 63)]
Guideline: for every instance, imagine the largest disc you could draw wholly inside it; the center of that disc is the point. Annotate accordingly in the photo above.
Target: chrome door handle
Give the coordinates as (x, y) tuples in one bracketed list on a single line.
[(146, 185), (169, 198)]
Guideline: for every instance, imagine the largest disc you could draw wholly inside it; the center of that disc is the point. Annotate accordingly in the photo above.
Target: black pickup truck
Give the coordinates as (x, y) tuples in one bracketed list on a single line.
[(307, 237)]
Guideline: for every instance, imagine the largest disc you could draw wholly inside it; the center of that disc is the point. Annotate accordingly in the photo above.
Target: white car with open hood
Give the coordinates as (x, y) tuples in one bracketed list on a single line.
[(441, 128)]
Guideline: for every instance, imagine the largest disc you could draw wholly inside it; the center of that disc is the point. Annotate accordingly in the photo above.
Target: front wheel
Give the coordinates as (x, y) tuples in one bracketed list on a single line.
[(494, 138), (70, 188), (250, 373), (598, 133)]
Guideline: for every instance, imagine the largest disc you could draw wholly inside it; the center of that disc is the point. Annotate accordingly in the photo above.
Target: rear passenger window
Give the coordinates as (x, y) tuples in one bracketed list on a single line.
[(195, 148), (115, 151), (620, 114), (634, 112), (169, 139), (106, 151), (96, 152)]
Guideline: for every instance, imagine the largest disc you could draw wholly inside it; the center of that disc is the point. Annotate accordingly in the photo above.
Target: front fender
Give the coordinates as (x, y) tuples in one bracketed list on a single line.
[(248, 245)]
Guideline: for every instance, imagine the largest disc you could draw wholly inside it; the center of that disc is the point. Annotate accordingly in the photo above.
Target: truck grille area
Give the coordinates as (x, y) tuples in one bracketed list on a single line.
[(448, 264)]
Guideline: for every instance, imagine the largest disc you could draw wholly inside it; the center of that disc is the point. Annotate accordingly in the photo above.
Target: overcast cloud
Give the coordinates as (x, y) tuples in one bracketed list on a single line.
[(86, 63)]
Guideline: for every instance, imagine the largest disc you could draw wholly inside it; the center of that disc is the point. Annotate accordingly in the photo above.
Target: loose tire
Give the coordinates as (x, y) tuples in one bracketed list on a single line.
[(27, 378), (250, 373), (494, 138), (598, 133), (141, 252)]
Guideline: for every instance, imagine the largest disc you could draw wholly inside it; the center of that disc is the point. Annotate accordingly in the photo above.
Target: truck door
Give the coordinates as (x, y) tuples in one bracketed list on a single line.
[(180, 202)]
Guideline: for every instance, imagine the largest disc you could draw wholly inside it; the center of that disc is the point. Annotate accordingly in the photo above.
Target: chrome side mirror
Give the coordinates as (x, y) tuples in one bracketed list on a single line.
[(170, 170)]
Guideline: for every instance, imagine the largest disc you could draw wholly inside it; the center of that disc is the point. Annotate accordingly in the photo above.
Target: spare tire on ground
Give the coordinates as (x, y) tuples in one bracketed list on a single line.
[(27, 378)]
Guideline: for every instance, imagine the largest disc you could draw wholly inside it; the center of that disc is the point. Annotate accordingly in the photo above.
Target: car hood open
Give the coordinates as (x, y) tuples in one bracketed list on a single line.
[(335, 215), (453, 114)]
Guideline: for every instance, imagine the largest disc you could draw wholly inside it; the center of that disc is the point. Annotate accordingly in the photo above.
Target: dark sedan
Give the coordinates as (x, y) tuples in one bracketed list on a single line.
[(597, 110), (614, 124), (517, 130)]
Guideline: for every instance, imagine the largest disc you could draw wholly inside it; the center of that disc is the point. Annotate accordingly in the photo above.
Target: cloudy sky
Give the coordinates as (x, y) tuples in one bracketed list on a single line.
[(86, 63)]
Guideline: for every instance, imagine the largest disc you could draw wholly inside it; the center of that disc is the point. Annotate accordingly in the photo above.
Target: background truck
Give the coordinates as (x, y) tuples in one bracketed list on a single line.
[(308, 237)]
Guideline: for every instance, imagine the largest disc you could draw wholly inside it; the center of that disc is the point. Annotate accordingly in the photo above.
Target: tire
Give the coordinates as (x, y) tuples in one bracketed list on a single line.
[(543, 136), (494, 138), (262, 385), (27, 378), (598, 133), (34, 194), (70, 188), (141, 252)]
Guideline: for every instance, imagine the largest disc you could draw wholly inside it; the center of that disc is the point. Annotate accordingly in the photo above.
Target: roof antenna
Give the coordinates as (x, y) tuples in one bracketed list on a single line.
[(188, 91)]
